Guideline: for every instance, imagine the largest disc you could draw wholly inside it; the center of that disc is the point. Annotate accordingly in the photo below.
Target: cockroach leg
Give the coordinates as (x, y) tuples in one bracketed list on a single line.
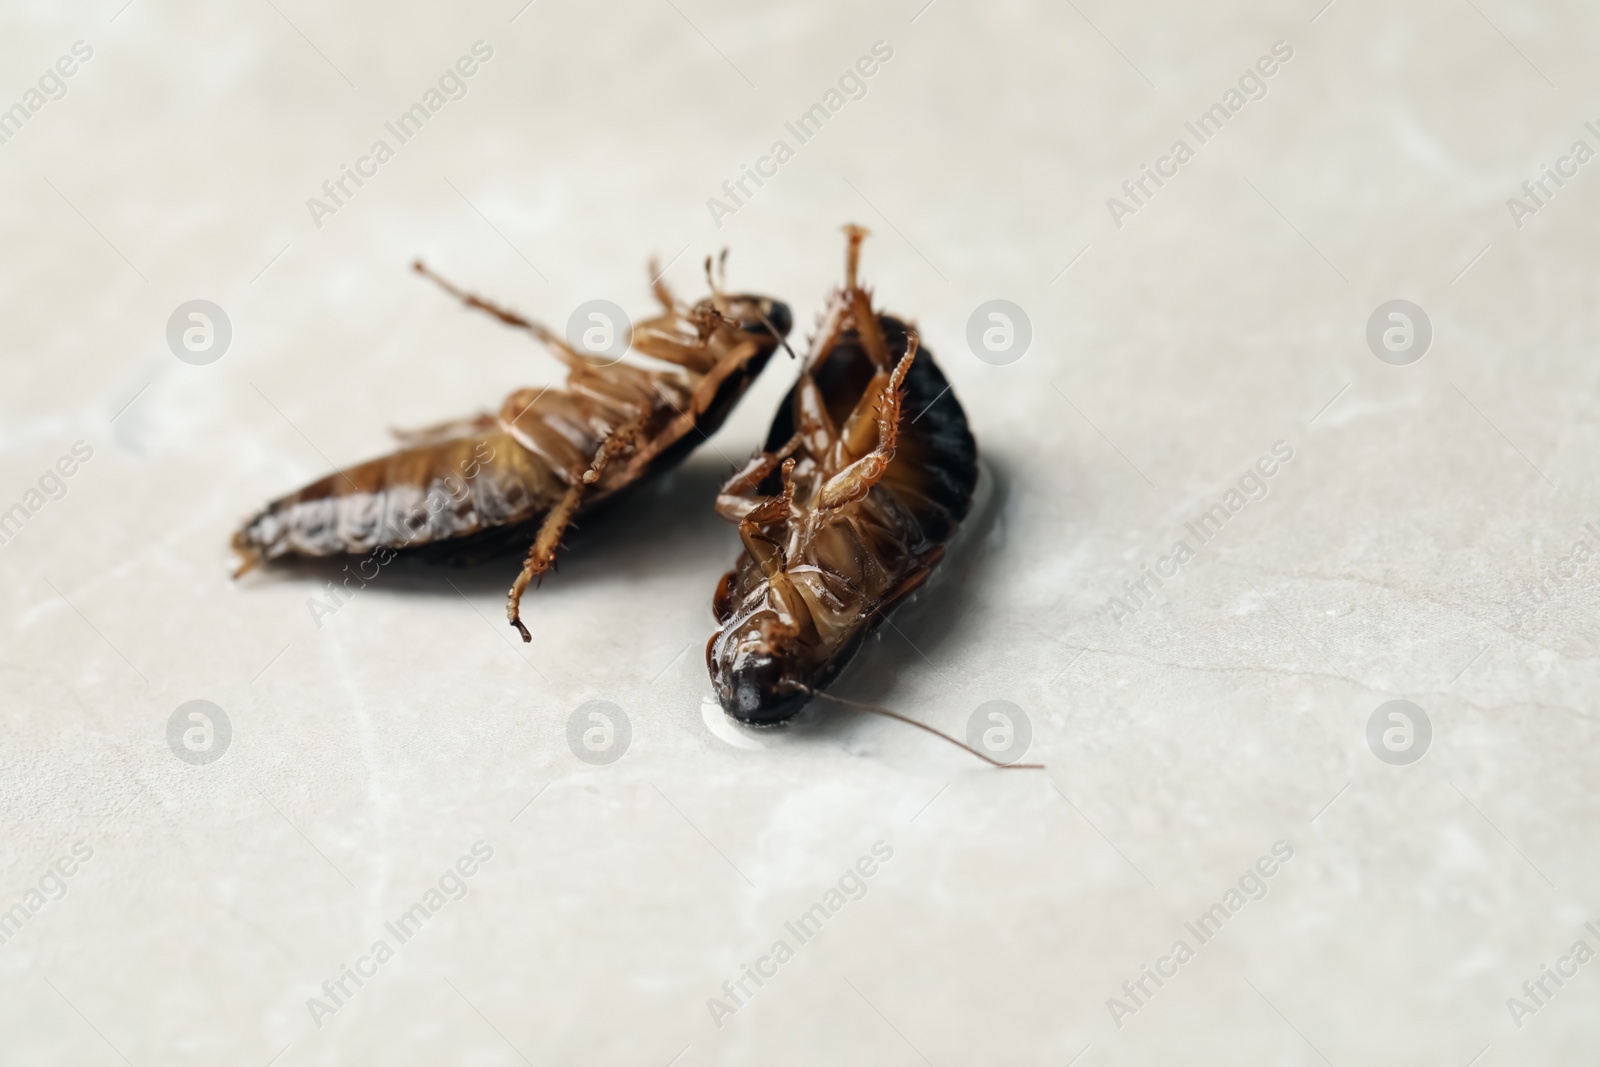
[(722, 599), (699, 401), (554, 342), (869, 329), (658, 285), (738, 497), (811, 414), (865, 425), (763, 549), (855, 480), (548, 456), (860, 435), (876, 710), (542, 553), (711, 384), (623, 440), (510, 318), (667, 349), (860, 303), (852, 254)]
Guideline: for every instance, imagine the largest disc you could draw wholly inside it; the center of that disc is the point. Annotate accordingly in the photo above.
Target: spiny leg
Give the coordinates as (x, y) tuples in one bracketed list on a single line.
[(860, 433), (658, 285), (829, 330), (811, 416), (510, 318), (860, 302), (738, 497), (870, 330), (853, 482), (852, 254), (699, 401), (672, 337), (542, 553), (555, 343), (863, 428)]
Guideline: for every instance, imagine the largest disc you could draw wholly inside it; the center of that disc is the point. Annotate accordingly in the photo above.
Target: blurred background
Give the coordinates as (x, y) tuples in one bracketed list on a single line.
[(1432, 537)]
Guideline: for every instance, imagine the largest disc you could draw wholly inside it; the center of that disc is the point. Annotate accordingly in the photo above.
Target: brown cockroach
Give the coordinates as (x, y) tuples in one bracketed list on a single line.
[(461, 490), (843, 515)]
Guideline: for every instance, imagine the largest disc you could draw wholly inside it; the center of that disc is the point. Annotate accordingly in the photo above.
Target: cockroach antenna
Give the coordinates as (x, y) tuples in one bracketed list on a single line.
[(876, 710), (782, 340)]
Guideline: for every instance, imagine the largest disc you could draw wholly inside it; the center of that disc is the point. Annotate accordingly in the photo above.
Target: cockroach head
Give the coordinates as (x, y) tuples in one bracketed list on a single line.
[(754, 669)]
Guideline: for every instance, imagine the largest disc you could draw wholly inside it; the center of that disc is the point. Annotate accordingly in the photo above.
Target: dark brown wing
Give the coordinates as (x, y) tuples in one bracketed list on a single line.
[(417, 496)]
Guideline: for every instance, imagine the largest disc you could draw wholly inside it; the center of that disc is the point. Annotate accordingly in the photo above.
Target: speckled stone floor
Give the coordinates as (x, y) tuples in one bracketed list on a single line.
[(1241, 850)]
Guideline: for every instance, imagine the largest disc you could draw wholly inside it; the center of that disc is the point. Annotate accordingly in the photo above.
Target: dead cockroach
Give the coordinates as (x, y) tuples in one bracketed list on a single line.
[(843, 515), (463, 489)]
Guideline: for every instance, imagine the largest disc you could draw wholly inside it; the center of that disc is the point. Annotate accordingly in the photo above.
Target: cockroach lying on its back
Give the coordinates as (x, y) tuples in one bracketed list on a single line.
[(845, 513), (462, 489)]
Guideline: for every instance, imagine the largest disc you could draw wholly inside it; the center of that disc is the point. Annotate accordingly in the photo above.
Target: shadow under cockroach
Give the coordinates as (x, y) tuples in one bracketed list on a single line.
[(632, 532)]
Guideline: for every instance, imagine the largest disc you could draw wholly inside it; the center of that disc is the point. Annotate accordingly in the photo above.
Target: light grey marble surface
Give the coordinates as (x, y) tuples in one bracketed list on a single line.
[(1398, 555)]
